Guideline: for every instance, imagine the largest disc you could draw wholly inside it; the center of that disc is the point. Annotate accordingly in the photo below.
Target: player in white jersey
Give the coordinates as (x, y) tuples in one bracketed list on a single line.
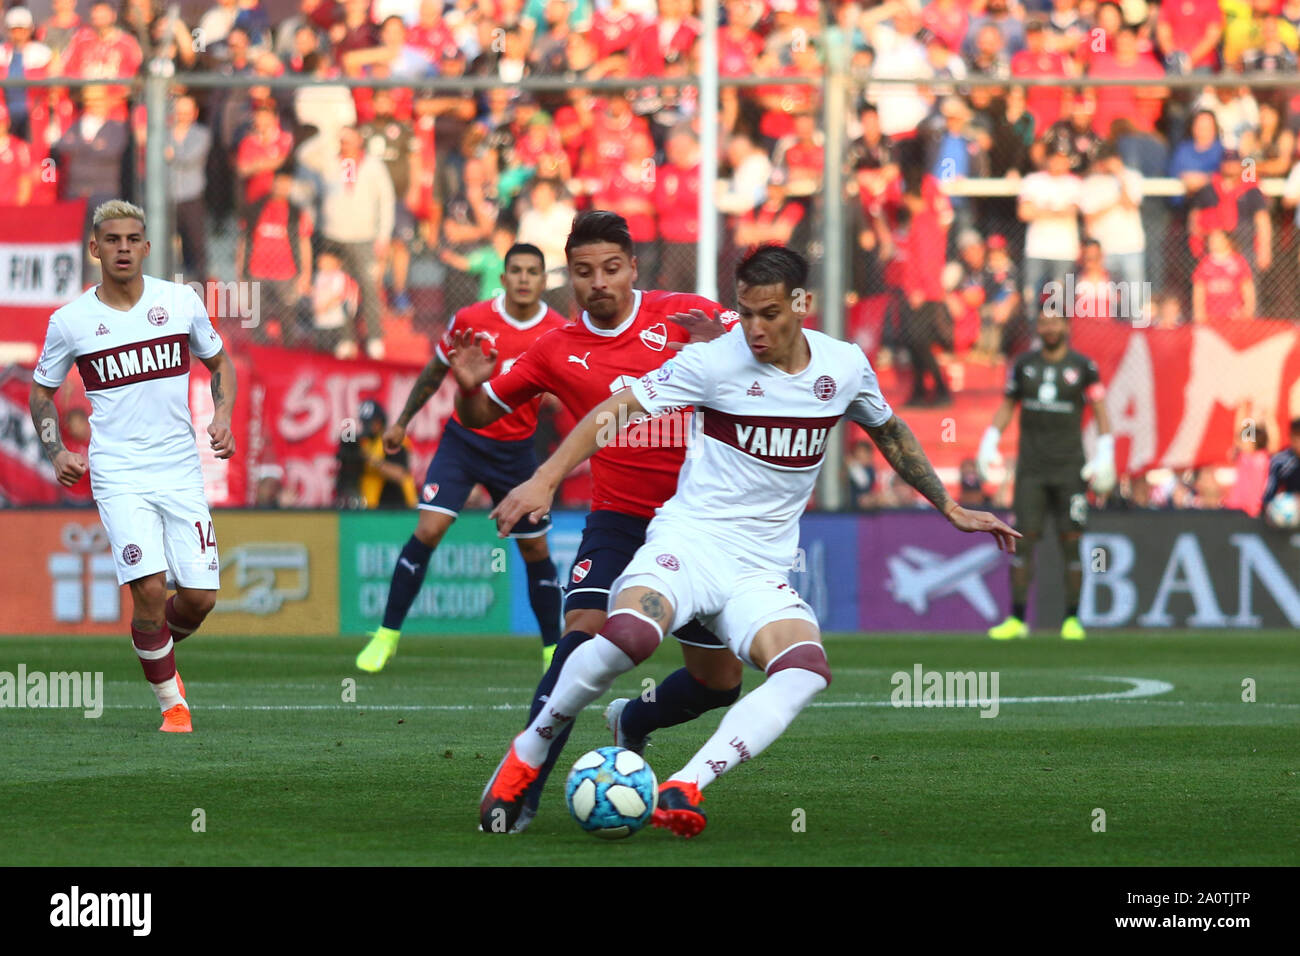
[(131, 338), (721, 548)]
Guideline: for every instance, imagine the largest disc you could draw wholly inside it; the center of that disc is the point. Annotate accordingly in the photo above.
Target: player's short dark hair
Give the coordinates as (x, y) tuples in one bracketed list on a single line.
[(523, 249), (599, 225), (772, 264)]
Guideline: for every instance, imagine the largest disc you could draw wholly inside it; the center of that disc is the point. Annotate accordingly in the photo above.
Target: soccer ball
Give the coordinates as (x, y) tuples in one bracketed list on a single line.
[(611, 792), (1284, 510)]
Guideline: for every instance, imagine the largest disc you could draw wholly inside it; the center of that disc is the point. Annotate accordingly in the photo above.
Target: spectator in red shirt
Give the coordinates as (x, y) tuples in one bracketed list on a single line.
[(668, 38), (17, 172), (104, 51), (629, 190), (802, 156), (274, 250), (614, 28), (262, 151), (1189, 31), (739, 45), (677, 200), (1222, 286), (431, 33), (1232, 203), (948, 20), (1044, 103), (540, 149), (919, 246), (1142, 105)]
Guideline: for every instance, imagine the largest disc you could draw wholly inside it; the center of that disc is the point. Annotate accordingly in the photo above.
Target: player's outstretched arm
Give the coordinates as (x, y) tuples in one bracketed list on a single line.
[(601, 426), (428, 382), (224, 386), (471, 368), (68, 466), (905, 455)]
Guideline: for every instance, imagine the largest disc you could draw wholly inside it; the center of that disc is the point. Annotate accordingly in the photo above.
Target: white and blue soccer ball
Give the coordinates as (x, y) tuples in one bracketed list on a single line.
[(611, 792), (1284, 510)]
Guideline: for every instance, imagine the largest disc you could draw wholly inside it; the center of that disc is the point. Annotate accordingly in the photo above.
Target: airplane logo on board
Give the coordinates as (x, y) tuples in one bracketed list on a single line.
[(918, 576)]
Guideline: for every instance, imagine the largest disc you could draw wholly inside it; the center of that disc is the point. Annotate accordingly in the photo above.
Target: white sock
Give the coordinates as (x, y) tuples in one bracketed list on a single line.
[(588, 673), (168, 694), (753, 724)]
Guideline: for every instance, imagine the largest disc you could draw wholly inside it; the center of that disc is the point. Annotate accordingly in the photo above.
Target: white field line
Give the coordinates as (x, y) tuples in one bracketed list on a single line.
[(1140, 688)]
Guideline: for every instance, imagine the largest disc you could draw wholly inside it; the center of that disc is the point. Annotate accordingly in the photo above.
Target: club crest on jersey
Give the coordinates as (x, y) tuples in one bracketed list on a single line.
[(430, 491), (1071, 376), (755, 390), (824, 388), (655, 337), (157, 315), (581, 569), (668, 561), (131, 554)]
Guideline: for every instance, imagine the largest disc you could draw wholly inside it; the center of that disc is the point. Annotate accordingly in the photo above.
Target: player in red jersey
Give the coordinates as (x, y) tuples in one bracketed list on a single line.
[(622, 334), (494, 455)]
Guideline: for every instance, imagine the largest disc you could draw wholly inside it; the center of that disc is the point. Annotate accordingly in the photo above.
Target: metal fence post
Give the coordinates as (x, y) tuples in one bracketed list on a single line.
[(830, 483), (157, 77)]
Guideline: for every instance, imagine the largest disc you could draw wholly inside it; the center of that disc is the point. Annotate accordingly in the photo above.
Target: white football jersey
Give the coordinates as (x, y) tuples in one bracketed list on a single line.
[(136, 369), (762, 436)]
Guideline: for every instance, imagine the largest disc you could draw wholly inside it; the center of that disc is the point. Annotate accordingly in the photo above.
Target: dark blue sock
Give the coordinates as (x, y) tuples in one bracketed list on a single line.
[(679, 698), (544, 596), (408, 578), (563, 649)]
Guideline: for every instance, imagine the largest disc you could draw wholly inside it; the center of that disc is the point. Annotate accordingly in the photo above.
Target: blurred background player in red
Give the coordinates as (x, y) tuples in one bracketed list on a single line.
[(498, 455)]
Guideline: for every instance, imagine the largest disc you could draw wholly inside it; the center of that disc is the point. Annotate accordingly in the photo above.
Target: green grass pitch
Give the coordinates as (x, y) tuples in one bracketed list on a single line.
[(286, 772)]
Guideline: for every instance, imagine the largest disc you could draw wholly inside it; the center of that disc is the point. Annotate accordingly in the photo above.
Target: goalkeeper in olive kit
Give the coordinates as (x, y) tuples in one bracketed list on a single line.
[(1052, 384)]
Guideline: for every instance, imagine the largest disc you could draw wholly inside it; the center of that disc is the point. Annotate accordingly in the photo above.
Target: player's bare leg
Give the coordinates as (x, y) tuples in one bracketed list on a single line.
[(1071, 628), (1022, 575), (408, 578), (544, 595), (790, 653), (153, 645), (629, 636)]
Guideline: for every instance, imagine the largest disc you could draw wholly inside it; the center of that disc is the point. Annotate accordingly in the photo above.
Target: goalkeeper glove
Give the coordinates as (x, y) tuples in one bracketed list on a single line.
[(988, 456), (1100, 472)]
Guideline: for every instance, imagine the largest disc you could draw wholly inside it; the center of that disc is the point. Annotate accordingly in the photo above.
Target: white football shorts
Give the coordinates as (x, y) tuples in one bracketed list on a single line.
[(156, 531), (701, 579)]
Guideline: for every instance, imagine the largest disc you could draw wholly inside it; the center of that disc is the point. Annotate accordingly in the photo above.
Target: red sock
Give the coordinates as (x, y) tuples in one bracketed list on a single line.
[(154, 648), (180, 624)]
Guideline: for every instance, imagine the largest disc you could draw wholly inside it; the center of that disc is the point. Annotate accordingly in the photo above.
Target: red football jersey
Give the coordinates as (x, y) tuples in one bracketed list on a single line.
[(583, 365), (511, 339), (1225, 284)]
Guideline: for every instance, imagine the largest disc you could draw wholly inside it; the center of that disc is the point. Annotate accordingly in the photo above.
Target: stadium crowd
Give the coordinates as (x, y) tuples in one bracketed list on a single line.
[(354, 208)]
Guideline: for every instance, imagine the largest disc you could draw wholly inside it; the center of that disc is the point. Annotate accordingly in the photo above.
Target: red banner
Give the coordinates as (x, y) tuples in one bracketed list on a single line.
[(41, 253), (298, 403), (1178, 397)]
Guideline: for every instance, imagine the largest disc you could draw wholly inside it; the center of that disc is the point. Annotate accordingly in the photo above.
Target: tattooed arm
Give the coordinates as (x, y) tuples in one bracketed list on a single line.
[(428, 383), (905, 455), (68, 467), (223, 398)]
